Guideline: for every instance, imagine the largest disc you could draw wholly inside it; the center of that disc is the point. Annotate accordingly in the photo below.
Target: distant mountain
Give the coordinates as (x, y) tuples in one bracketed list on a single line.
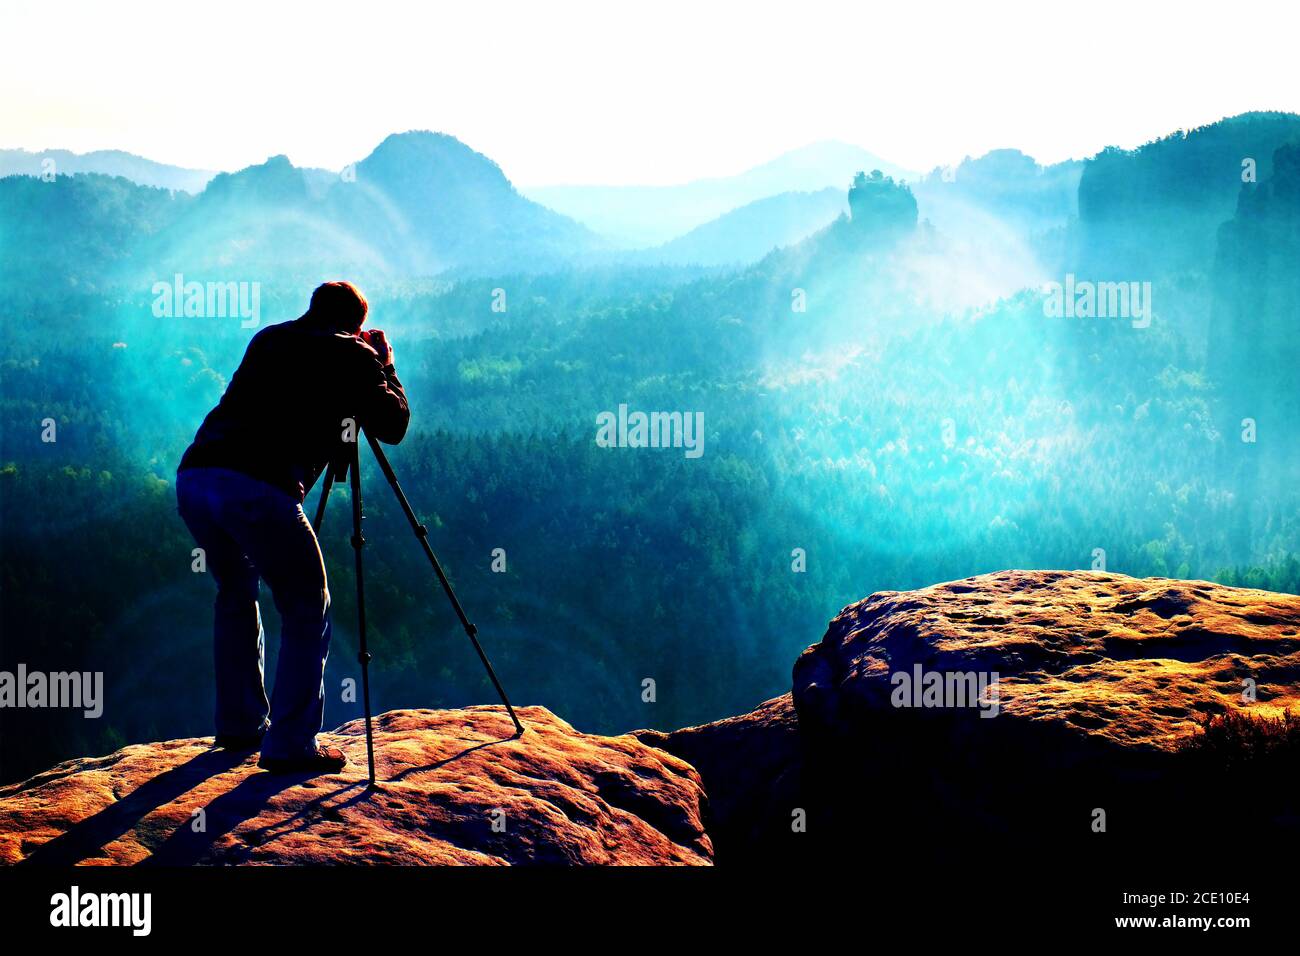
[(430, 203), (1005, 183), (261, 222), (109, 162), (420, 204), (1157, 209), (638, 216), (78, 232), (861, 272), (874, 273), (828, 163), (747, 234), (1153, 213), (1004, 199)]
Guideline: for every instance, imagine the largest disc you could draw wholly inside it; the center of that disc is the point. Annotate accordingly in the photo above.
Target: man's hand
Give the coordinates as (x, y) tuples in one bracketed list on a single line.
[(376, 339)]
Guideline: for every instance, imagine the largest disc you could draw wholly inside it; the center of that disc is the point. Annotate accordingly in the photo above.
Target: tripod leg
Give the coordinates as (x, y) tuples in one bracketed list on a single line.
[(363, 656), (326, 484), (422, 533)]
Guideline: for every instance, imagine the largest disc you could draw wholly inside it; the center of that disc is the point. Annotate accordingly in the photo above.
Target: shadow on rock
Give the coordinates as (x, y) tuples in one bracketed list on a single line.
[(89, 837)]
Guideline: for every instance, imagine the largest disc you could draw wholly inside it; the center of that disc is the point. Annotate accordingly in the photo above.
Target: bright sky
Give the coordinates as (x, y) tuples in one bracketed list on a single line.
[(619, 92)]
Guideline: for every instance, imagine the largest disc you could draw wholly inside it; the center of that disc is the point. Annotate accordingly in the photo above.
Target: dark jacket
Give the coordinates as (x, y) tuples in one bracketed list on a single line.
[(281, 418)]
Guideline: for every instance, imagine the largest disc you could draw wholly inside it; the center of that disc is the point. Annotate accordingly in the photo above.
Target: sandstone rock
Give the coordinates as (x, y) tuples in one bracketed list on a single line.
[(1130, 662), (751, 766), (1100, 680), (563, 796), (1100, 676)]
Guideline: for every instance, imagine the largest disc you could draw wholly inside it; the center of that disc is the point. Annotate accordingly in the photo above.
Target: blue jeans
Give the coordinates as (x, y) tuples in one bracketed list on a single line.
[(250, 530)]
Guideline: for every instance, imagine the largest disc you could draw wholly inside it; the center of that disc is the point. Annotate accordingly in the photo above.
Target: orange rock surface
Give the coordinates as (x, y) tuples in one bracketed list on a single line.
[(453, 790), (1099, 677), (1125, 661), (751, 767)]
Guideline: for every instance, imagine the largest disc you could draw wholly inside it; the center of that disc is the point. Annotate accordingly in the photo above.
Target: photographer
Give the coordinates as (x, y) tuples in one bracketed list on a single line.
[(240, 488)]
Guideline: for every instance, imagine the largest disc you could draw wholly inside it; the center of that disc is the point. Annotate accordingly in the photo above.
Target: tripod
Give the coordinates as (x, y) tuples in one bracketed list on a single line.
[(338, 470)]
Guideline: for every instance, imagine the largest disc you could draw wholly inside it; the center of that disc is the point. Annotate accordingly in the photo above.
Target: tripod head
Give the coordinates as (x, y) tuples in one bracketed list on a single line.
[(341, 459)]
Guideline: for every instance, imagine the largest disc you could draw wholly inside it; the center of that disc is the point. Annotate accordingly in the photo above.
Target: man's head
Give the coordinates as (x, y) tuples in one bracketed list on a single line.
[(339, 306)]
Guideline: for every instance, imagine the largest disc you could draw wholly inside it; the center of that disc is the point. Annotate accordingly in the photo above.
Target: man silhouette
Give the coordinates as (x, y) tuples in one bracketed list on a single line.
[(240, 488)]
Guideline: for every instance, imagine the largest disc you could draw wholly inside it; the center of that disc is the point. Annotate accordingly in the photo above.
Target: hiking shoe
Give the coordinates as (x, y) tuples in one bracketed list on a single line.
[(323, 760)]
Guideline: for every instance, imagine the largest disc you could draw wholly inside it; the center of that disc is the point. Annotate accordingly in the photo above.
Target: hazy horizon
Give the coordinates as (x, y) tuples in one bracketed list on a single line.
[(741, 87)]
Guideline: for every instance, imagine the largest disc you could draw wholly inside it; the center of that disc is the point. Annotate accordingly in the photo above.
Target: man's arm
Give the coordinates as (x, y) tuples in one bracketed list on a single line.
[(382, 407)]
